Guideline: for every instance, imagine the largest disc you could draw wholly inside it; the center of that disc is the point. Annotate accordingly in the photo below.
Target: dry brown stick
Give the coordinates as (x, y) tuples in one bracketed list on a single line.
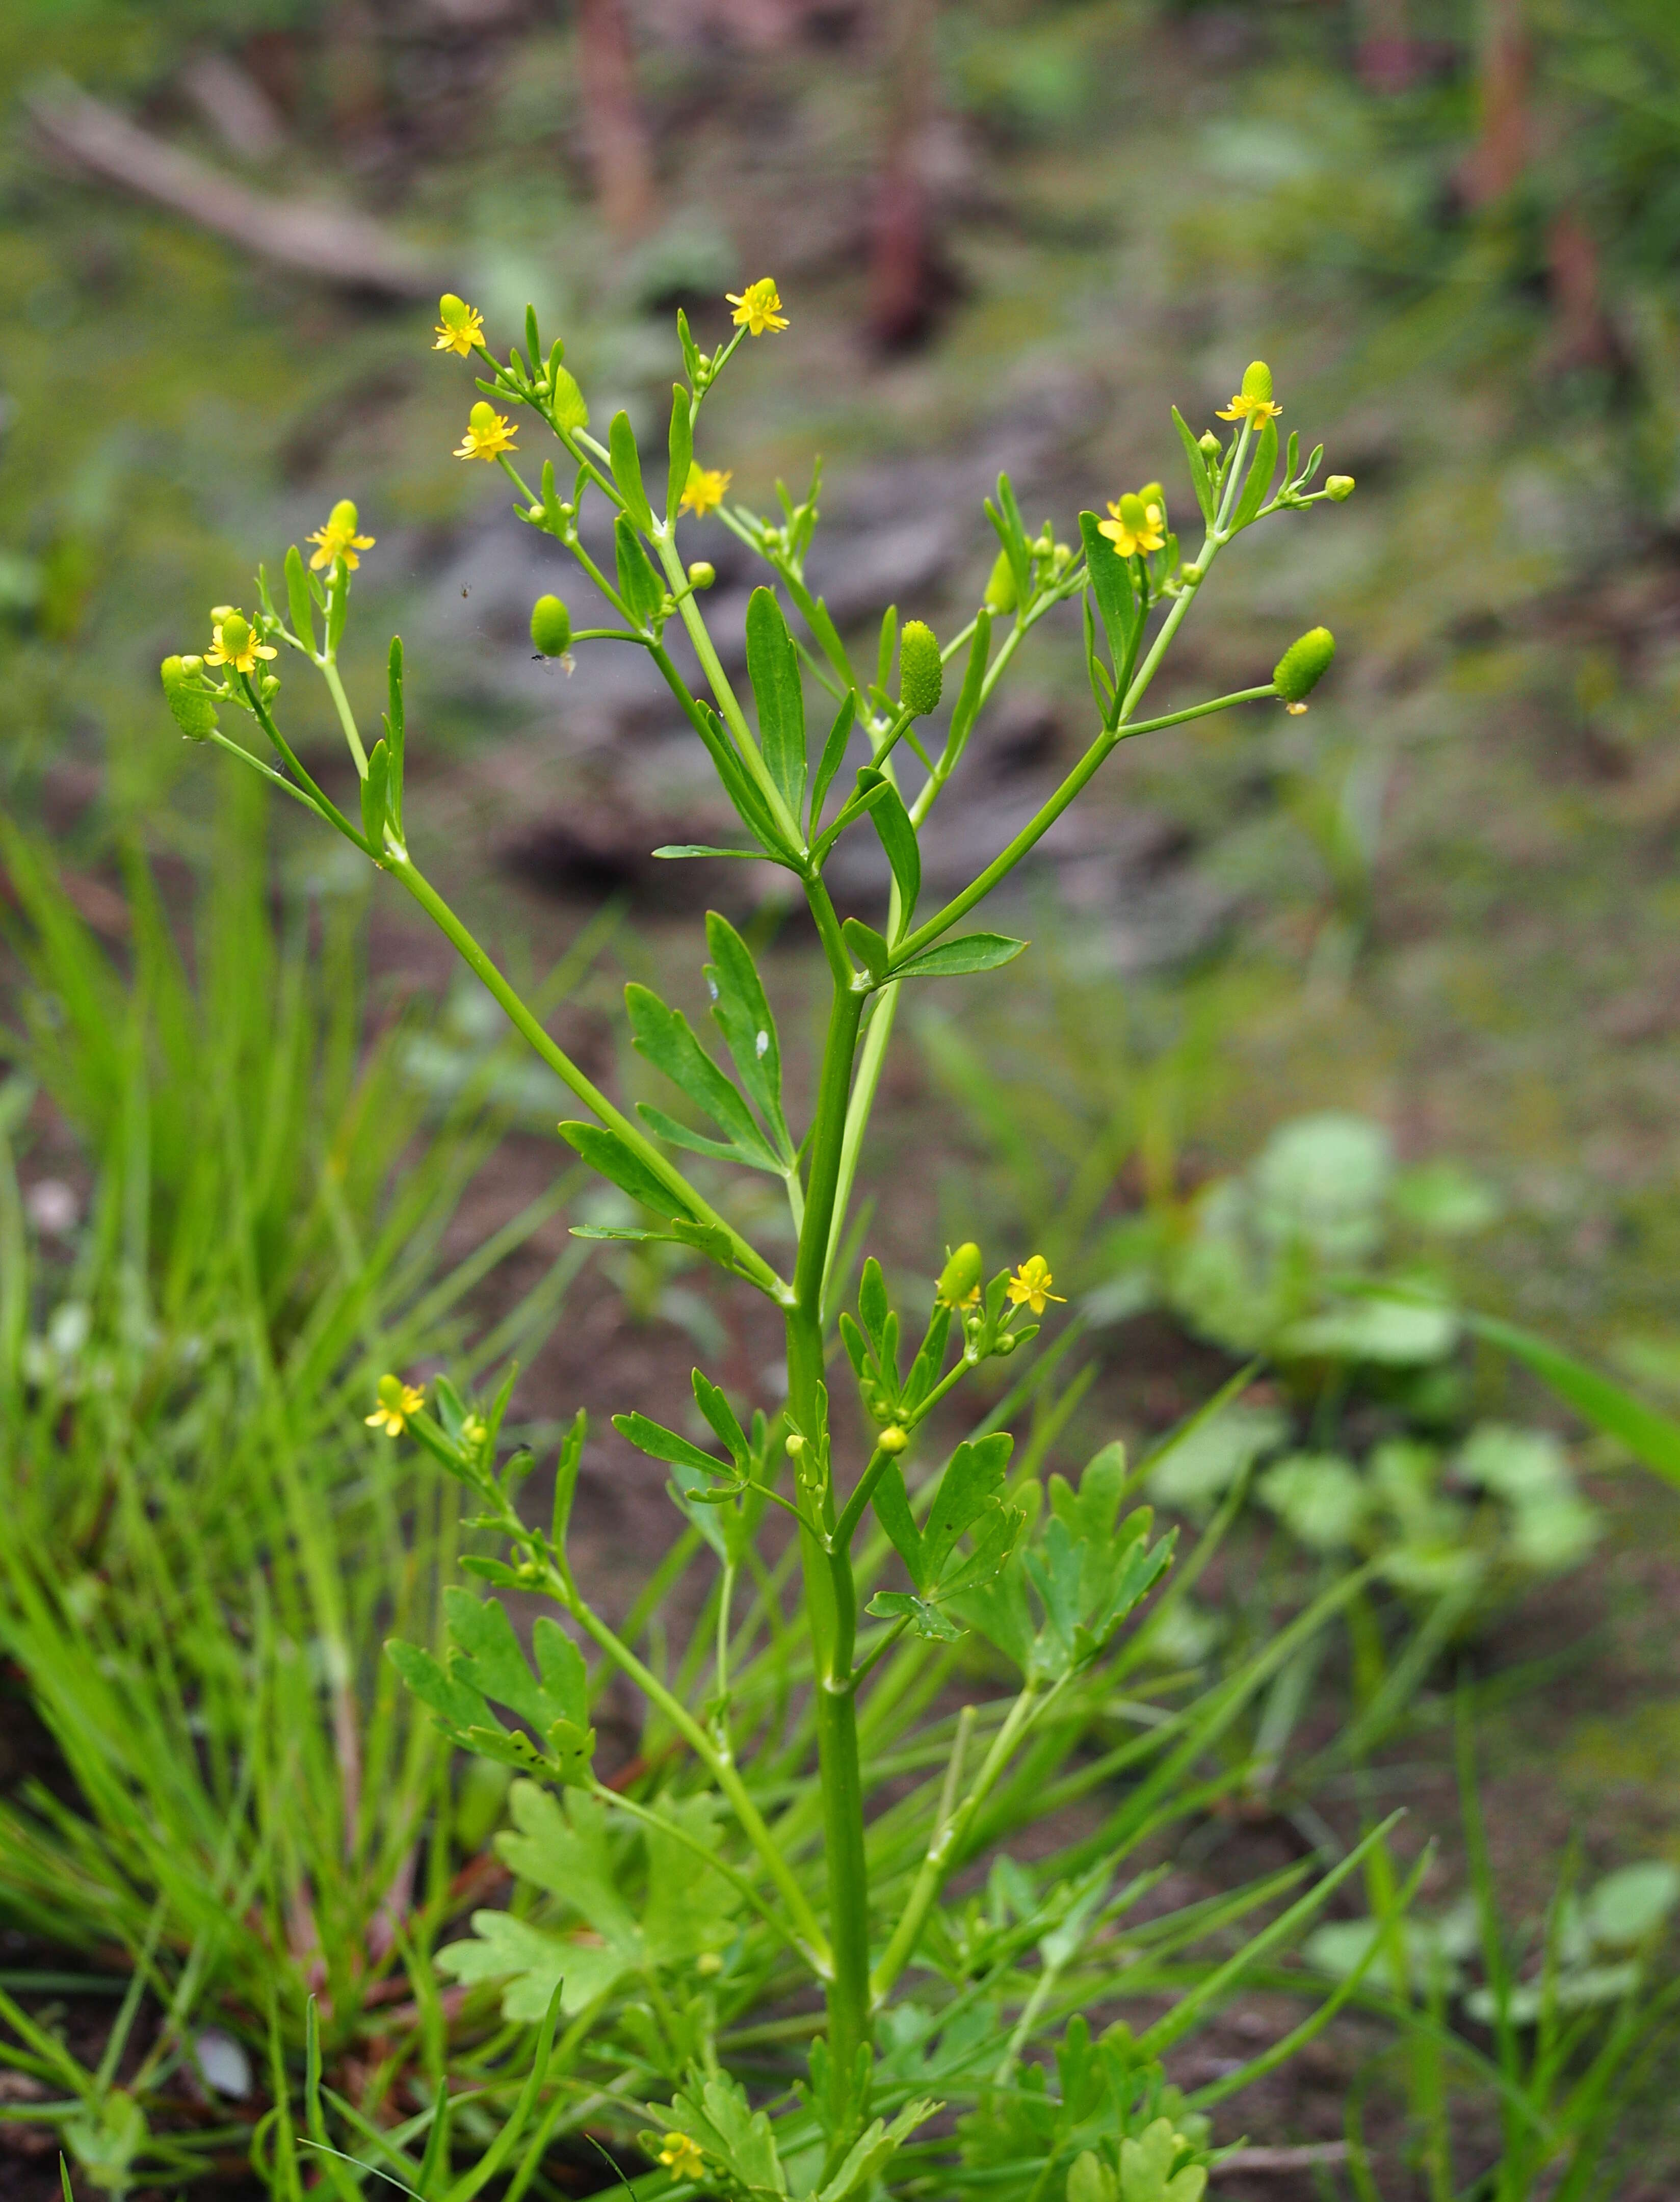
[(1284, 2159), (330, 242)]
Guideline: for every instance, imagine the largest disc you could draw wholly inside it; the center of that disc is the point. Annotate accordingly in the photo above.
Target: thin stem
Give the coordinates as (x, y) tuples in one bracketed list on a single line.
[(329, 674), (748, 1261)]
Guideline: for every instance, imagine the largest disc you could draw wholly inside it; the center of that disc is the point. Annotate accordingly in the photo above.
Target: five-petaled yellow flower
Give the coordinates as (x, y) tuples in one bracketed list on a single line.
[(1030, 1285), (704, 489), (1253, 402), (234, 642), (460, 327), (488, 432), (396, 1402), (683, 2156), (1134, 526), (759, 307), (339, 539)]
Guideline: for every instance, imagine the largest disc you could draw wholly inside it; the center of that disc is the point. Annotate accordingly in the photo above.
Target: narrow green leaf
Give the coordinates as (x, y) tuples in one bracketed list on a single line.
[(721, 1415), (395, 730), (892, 822), (750, 806), (1258, 481), (773, 668), (873, 1308), (373, 797), (974, 681), (700, 849), (616, 1161), (867, 946), (1651, 1437), (955, 959), (642, 591), (1115, 590), (297, 596), (627, 470), (888, 645), (742, 1009), (1200, 480), (891, 1510), (832, 757), (567, 406), (682, 442)]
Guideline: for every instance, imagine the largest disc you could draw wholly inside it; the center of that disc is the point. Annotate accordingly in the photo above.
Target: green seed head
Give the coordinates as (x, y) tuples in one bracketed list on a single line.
[(1257, 381), (235, 633), (191, 708), (920, 673), (959, 1280), (343, 516), (550, 626), (1304, 664)]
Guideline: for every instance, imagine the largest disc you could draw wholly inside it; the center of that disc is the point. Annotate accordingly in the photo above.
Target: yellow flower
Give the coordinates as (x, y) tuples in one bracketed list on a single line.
[(234, 642), (396, 1402), (1030, 1285), (759, 307), (488, 432), (682, 2157), (705, 488), (460, 327), (1134, 526), (1253, 402), (339, 539)]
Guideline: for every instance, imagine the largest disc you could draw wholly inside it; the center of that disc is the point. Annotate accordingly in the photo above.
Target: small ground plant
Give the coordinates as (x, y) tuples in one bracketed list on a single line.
[(821, 1769)]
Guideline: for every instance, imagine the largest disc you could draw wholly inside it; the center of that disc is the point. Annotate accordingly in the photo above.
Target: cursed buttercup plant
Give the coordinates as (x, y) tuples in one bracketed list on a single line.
[(758, 1849)]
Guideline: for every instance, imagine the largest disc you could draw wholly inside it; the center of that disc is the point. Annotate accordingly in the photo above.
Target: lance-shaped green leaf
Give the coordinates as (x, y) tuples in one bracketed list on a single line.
[(773, 668), (660, 1444), (297, 597), (868, 946), (967, 708), (1115, 588), (833, 756), (566, 403), (395, 730), (742, 1009), (891, 821), (721, 1415), (627, 470), (641, 588), (1258, 481), (1006, 517), (373, 797), (665, 1036), (956, 959), (1200, 480), (682, 449)]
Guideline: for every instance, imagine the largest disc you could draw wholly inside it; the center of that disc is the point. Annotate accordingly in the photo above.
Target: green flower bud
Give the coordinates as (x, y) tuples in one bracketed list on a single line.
[(920, 673), (1007, 1343), (795, 1445), (550, 626), (959, 1280), (191, 708), (1257, 381), (1209, 444), (221, 612), (1304, 664), (999, 595), (893, 1439), (1339, 488), (702, 573)]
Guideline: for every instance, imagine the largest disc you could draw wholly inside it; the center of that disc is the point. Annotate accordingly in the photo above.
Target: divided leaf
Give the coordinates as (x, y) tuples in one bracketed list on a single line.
[(665, 1036)]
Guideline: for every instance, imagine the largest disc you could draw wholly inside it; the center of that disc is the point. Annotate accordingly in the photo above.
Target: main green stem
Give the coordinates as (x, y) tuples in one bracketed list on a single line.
[(830, 1592)]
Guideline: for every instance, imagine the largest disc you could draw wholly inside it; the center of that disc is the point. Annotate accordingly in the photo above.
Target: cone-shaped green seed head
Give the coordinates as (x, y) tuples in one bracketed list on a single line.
[(920, 674), (550, 626), (959, 1279), (191, 708), (235, 633), (1000, 588), (1304, 664), (1257, 381), (343, 515)]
